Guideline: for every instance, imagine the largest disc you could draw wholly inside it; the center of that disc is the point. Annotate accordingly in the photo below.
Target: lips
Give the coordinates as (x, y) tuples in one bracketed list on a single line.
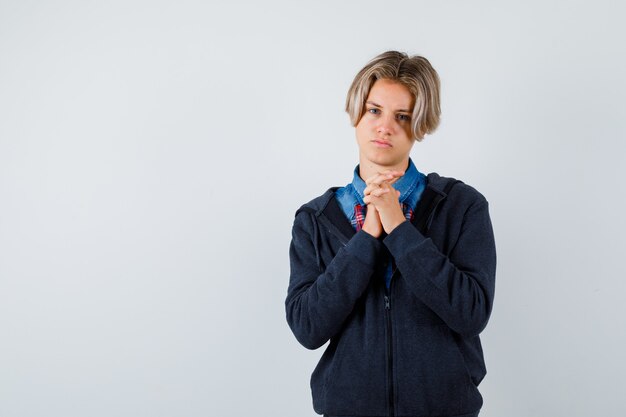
[(382, 143)]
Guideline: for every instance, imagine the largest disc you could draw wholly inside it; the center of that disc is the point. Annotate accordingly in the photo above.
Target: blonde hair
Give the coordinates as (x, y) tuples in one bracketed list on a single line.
[(415, 73)]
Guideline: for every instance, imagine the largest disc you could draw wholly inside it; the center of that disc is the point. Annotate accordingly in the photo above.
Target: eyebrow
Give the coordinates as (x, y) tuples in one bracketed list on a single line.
[(378, 105)]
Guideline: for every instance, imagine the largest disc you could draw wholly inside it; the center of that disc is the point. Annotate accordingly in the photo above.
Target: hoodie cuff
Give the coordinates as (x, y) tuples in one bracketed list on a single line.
[(404, 237), (364, 247)]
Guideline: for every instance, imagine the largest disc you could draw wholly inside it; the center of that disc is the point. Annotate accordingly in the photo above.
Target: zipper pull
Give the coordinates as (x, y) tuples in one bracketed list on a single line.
[(387, 306)]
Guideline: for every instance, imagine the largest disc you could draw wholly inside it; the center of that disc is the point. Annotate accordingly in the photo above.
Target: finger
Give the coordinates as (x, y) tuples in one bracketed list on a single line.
[(380, 191), (371, 199), (393, 172), (387, 177), (371, 209), (383, 177), (371, 188), (386, 186), (378, 179)]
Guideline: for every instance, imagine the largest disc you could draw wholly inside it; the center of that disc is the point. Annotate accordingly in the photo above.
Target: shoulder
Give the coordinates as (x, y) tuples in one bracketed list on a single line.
[(459, 191), (306, 218), (319, 203)]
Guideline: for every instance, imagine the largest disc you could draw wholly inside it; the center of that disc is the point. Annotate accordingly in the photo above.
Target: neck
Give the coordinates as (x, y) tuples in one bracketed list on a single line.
[(368, 169)]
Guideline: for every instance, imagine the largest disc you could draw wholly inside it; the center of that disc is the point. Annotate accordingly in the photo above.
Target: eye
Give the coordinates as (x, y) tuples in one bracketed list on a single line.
[(373, 110), (403, 117)]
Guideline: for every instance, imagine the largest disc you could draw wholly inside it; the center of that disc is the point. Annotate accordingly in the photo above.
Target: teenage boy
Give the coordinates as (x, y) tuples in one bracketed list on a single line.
[(397, 268)]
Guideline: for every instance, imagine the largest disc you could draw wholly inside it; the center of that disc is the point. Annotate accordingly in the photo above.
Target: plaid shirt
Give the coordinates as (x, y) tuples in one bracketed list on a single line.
[(361, 210)]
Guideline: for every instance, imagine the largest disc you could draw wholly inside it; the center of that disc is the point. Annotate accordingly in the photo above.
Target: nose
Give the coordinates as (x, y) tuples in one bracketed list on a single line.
[(386, 125)]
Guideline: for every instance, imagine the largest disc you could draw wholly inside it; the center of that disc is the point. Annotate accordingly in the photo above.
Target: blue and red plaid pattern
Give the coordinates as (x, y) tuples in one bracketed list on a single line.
[(361, 210)]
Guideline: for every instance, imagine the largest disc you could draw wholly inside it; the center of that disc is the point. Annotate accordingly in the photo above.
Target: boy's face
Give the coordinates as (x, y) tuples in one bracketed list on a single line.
[(384, 132)]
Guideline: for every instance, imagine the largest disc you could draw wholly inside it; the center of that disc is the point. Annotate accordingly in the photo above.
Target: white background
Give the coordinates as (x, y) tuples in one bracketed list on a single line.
[(153, 153)]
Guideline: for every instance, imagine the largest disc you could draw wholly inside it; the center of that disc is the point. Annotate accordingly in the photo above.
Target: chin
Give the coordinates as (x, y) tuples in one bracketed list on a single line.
[(383, 160)]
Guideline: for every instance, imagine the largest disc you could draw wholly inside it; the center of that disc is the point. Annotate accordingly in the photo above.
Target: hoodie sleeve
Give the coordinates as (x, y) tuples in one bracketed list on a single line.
[(319, 298), (459, 288)]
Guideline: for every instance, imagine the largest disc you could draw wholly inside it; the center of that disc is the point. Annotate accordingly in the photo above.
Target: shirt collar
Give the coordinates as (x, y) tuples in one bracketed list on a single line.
[(406, 184)]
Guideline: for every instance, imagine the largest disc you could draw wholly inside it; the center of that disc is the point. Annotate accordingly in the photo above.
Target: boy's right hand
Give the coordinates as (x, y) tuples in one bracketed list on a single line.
[(372, 223)]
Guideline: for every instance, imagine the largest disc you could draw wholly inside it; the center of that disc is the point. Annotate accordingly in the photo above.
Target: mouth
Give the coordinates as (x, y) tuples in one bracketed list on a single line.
[(380, 143)]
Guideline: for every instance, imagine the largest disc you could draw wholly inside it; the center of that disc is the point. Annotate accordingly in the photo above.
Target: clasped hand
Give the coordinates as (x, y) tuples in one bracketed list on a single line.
[(384, 211)]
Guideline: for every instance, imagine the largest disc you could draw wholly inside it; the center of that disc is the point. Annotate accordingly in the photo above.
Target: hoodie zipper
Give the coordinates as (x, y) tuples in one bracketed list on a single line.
[(387, 298)]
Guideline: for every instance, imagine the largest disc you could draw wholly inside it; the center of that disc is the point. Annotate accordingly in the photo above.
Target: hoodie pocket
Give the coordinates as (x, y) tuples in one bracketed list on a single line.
[(355, 379), (432, 377)]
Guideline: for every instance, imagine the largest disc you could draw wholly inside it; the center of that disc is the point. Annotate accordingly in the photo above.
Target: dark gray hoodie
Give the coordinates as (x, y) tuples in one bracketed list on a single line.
[(412, 350)]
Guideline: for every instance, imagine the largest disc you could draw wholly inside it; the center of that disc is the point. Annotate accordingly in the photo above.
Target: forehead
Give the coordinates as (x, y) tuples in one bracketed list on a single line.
[(388, 93)]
